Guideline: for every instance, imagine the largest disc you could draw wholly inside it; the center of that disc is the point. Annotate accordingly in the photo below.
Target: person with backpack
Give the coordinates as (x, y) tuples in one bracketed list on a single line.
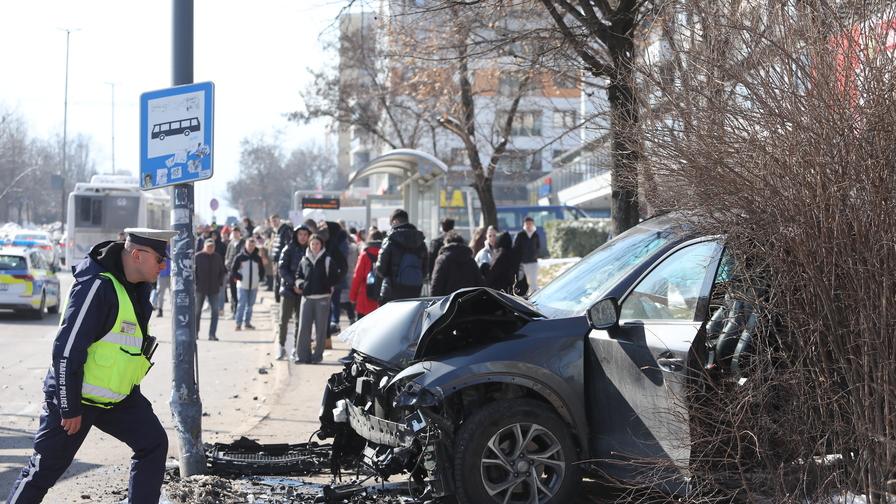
[(315, 279), (402, 260), (366, 284), (454, 268)]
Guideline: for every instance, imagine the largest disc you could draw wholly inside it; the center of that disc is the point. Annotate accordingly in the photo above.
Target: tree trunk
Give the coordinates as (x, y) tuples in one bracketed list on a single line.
[(483, 186), (624, 207)]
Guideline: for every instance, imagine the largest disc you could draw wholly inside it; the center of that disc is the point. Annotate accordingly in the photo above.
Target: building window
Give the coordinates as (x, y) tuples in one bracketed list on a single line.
[(520, 161), (525, 123), (565, 119)]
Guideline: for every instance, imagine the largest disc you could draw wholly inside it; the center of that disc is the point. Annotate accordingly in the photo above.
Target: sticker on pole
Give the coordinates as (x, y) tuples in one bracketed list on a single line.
[(176, 126)]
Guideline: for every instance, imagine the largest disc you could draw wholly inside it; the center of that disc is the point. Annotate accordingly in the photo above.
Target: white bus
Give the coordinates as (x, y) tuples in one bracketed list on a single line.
[(98, 210)]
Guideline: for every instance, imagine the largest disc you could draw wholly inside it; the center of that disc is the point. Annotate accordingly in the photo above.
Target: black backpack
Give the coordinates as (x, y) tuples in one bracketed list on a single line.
[(374, 281), (410, 270)]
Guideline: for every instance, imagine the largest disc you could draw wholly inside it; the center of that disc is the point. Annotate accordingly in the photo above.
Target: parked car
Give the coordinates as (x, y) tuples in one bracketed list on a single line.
[(33, 239), (493, 398), (28, 282)]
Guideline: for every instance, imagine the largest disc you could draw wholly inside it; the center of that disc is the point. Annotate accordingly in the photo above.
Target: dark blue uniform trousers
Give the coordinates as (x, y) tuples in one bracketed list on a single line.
[(131, 421)]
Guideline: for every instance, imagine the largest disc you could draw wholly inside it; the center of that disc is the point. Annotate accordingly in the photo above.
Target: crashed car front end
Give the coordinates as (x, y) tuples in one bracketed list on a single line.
[(423, 365)]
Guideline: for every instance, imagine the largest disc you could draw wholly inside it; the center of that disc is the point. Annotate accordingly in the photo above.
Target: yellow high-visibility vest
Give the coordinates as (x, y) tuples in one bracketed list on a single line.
[(115, 363)]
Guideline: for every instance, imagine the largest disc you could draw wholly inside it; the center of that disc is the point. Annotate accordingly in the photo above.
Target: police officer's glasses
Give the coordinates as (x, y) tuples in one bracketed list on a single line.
[(159, 259)]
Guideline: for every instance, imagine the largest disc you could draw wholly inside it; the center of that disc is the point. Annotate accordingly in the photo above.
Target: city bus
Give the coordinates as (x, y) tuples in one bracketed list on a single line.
[(98, 210)]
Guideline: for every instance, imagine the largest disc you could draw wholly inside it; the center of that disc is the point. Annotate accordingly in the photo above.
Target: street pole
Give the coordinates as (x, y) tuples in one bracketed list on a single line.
[(63, 173), (186, 406), (112, 86)]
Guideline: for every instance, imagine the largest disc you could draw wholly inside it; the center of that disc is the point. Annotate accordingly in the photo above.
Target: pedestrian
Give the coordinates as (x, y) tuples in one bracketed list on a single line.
[(268, 235), (282, 236), (210, 273), (477, 241), (351, 260), (528, 245), (265, 254), (248, 227), (290, 296), (234, 247), (454, 268), (248, 272), (436, 244), (204, 233), (101, 353), (337, 244), (157, 298), (365, 288), (485, 258), (221, 250), (505, 265), (315, 280), (402, 259)]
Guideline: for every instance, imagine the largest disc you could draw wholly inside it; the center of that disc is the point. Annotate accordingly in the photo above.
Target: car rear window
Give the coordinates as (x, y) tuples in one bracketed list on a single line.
[(11, 262)]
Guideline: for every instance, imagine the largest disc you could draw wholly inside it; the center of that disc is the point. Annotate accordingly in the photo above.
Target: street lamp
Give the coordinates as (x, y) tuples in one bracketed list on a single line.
[(68, 33), (112, 86)]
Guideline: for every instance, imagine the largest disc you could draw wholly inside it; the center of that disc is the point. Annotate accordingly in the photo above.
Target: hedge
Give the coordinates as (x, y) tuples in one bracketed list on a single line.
[(576, 238)]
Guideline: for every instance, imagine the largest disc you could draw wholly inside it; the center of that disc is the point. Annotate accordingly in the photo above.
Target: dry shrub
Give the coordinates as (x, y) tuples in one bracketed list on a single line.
[(778, 130)]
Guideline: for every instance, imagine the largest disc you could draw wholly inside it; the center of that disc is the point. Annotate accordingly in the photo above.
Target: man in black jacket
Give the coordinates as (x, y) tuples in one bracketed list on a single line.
[(438, 242), (455, 268), (402, 260), (290, 295), (282, 237), (527, 244)]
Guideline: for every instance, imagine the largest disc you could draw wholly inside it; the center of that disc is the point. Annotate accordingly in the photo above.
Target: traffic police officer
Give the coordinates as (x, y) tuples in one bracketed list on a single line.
[(101, 353)]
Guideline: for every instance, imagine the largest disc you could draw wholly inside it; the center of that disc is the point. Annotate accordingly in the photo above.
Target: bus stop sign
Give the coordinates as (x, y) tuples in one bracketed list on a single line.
[(176, 132)]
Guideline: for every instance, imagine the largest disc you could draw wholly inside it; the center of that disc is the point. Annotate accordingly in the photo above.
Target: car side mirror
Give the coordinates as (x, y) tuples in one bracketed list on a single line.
[(604, 314)]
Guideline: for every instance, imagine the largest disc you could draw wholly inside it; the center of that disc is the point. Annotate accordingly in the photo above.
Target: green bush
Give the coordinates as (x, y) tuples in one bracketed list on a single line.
[(575, 238)]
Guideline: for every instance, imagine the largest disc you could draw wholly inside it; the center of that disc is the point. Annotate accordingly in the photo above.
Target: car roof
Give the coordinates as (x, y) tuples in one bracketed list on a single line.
[(22, 251)]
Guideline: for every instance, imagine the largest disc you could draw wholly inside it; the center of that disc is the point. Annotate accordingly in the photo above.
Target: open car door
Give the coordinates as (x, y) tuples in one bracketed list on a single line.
[(637, 382)]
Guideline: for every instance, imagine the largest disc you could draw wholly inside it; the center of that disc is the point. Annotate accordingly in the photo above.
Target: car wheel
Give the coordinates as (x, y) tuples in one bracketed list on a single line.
[(39, 313), (53, 310), (514, 452)]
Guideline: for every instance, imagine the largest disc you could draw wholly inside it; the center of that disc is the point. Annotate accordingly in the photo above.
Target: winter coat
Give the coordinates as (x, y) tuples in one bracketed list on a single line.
[(290, 260), (281, 240), (351, 262), (435, 245), (338, 249), (486, 256), (358, 291), (527, 247), (402, 240), (502, 275), (90, 314), (247, 270), (316, 276), (455, 269), (210, 272), (233, 249)]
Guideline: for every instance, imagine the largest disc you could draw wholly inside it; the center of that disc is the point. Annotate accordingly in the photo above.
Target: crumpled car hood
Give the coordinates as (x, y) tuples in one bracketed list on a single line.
[(399, 333)]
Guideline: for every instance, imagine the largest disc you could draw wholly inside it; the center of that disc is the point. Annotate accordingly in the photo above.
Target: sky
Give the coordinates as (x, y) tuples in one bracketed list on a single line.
[(256, 53)]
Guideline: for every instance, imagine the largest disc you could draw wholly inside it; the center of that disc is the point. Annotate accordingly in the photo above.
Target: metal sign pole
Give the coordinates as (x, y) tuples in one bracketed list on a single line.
[(186, 406)]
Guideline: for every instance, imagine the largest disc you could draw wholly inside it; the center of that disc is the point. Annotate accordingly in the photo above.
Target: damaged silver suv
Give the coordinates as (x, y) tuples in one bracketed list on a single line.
[(491, 398)]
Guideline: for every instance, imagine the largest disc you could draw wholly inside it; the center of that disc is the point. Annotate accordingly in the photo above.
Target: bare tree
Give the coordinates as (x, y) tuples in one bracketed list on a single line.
[(603, 33), (777, 131)]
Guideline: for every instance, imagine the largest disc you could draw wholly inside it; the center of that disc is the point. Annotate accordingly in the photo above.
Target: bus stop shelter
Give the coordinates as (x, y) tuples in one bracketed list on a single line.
[(419, 173)]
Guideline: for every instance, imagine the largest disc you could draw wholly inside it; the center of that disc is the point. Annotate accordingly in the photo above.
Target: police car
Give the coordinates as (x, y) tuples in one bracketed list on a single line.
[(28, 282)]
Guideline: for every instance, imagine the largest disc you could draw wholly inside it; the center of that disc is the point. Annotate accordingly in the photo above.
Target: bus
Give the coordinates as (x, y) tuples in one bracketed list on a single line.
[(98, 210)]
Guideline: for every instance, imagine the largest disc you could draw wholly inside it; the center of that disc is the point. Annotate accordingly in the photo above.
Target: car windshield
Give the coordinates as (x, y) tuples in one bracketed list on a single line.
[(587, 281), (11, 262)]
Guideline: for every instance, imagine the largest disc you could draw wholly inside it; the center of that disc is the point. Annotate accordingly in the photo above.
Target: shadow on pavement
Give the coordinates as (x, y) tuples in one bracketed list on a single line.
[(20, 318)]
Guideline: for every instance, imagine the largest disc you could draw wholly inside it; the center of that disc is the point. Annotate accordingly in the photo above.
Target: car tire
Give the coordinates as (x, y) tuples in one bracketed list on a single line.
[(53, 310), (543, 465), (38, 314)]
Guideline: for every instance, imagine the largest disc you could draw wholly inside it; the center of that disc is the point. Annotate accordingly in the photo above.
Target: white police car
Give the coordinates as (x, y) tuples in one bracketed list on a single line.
[(28, 282)]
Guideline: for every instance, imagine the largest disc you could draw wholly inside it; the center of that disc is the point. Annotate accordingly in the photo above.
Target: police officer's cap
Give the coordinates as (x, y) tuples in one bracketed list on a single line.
[(156, 239)]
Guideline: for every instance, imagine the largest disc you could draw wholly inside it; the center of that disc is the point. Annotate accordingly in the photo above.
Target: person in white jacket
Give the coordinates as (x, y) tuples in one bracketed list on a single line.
[(248, 271)]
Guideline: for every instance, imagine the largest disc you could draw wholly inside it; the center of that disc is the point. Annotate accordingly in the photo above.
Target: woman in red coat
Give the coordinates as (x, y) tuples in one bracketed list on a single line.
[(366, 261)]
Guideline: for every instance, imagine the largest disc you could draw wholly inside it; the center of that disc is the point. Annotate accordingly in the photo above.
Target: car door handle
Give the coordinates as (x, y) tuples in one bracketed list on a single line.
[(670, 363)]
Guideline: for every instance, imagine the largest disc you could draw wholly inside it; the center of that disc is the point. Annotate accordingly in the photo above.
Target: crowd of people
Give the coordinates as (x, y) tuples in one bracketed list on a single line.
[(320, 270)]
